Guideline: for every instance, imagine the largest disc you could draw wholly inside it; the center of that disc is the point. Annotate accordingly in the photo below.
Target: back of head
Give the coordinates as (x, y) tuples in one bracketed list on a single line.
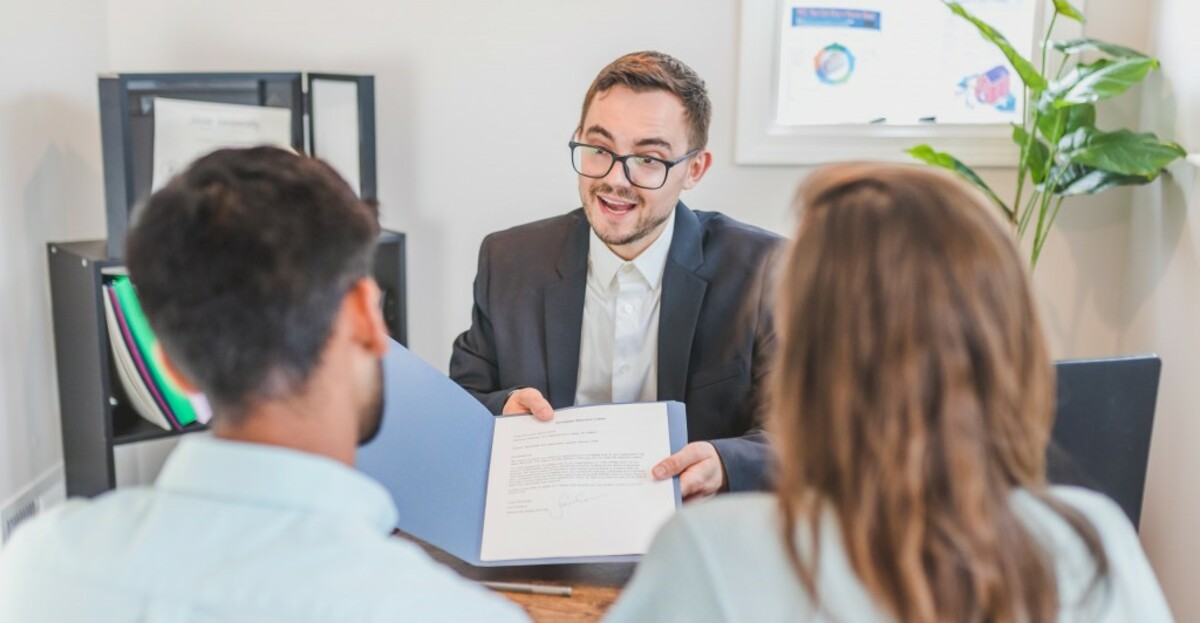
[(650, 71), (913, 393), (241, 263)]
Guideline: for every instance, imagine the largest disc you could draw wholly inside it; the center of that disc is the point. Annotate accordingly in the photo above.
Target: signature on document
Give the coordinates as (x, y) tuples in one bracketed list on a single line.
[(568, 499)]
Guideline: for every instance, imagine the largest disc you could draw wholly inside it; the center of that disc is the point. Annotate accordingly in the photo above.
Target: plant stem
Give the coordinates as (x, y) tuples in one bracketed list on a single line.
[(1030, 124), (1026, 213), (1046, 40), (1043, 225), (1038, 244)]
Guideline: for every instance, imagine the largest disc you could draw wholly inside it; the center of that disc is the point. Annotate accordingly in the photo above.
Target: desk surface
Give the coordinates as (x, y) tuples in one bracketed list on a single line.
[(595, 586)]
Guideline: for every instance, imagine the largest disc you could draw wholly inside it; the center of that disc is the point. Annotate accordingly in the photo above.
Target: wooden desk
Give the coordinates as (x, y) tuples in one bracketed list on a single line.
[(595, 586)]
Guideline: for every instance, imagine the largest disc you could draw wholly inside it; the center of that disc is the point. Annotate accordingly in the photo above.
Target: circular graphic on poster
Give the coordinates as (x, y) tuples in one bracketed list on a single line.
[(834, 64)]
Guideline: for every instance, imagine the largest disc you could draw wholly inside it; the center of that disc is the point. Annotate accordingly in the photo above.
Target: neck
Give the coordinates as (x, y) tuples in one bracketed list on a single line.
[(312, 421)]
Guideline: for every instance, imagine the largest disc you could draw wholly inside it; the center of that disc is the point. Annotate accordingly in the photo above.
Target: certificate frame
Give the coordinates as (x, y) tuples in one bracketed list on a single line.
[(760, 140)]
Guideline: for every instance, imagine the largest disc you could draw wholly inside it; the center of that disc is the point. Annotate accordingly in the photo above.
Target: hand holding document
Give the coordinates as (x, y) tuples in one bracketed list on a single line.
[(578, 485), (502, 491)]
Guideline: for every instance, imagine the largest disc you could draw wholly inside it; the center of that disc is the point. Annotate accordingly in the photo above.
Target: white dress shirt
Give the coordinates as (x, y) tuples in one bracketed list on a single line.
[(234, 532), (618, 347), (724, 560)]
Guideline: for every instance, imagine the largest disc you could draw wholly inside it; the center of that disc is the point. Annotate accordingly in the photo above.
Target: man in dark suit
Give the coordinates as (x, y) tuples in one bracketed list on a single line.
[(634, 296)]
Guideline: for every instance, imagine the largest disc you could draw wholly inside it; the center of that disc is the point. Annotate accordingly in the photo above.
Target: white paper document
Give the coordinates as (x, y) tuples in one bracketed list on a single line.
[(579, 485), (185, 130)]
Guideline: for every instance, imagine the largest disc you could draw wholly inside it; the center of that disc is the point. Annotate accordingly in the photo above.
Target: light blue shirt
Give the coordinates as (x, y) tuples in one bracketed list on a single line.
[(723, 560), (234, 532)]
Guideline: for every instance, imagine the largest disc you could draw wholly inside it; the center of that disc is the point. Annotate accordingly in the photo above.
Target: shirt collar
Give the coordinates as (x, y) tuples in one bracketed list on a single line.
[(604, 264), (272, 476)]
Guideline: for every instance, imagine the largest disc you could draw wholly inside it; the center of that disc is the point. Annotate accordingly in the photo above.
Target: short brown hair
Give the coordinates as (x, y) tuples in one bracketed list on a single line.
[(653, 71), (241, 263)]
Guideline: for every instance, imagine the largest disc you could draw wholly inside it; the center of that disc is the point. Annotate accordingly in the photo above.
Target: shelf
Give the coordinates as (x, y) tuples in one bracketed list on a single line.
[(145, 431), (97, 414)]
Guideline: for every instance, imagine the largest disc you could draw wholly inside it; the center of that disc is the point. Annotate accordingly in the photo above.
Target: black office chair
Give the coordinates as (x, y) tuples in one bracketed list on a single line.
[(1102, 427)]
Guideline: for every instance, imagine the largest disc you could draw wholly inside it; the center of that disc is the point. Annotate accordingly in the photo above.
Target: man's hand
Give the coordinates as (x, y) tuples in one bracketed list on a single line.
[(529, 400), (701, 473)]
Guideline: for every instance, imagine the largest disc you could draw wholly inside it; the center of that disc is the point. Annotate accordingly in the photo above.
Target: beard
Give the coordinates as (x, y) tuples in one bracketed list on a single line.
[(371, 418), (646, 223)]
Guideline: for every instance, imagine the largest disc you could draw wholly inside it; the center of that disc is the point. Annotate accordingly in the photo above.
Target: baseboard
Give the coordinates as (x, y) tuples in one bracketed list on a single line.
[(44, 493)]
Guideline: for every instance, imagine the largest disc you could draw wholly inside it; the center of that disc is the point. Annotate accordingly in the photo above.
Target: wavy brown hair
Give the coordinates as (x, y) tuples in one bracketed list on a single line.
[(913, 394)]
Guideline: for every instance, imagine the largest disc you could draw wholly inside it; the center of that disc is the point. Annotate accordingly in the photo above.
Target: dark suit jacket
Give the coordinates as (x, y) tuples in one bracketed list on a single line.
[(714, 338)]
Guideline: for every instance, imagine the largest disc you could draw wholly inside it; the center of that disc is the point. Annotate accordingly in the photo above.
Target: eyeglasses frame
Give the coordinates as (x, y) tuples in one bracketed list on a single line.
[(625, 165)]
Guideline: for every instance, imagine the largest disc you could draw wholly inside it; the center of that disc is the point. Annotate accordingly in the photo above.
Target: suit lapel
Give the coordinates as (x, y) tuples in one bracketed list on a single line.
[(682, 296), (564, 317)]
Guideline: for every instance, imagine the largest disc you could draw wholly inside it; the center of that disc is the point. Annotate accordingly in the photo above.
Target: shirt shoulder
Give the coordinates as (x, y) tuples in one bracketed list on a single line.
[(696, 569), (1129, 591), (401, 582)]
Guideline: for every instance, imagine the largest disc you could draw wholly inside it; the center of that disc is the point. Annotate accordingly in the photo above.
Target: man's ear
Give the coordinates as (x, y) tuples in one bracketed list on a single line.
[(696, 168), (176, 375), (366, 315)]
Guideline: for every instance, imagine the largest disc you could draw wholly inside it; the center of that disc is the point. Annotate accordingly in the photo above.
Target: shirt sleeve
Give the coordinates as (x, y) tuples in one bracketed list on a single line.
[(673, 582)]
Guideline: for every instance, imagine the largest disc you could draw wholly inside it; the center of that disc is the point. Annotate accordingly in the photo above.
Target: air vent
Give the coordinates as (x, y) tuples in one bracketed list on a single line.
[(46, 492)]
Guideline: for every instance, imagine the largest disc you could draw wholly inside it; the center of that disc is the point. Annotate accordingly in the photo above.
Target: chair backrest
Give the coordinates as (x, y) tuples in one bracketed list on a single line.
[(1102, 426)]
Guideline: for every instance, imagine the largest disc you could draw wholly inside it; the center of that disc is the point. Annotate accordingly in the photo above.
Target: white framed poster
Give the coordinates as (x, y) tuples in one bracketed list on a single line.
[(832, 80)]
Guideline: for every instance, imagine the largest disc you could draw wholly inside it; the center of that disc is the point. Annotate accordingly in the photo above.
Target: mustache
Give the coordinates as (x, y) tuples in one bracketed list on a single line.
[(621, 194)]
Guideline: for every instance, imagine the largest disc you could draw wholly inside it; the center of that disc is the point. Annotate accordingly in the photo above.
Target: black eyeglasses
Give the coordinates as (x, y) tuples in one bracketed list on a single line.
[(642, 171)]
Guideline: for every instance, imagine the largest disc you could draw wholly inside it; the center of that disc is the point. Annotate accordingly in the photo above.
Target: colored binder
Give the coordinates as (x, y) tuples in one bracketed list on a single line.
[(138, 385), (178, 403)]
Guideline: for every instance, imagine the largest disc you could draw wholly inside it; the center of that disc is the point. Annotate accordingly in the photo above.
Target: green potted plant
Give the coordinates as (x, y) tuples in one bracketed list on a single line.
[(1062, 152)]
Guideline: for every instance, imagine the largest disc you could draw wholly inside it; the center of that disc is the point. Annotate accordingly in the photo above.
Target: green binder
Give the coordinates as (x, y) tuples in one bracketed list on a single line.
[(176, 399)]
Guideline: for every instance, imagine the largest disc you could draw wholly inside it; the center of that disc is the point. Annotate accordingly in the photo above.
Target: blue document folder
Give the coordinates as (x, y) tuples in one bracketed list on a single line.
[(433, 454)]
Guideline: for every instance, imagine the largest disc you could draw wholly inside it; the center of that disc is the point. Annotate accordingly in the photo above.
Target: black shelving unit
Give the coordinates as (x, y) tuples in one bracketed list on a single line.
[(97, 414)]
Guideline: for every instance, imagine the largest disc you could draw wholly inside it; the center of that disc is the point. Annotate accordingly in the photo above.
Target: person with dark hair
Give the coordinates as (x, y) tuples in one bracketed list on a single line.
[(911, 404), (253, 269), (633, 297)]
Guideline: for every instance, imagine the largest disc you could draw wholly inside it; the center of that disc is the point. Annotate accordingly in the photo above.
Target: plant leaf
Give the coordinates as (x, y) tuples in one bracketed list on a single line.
[(1025, 69), (1037, 155), (1075, 46), (928, 155), (1065, 9), (1100, 80), (1122, 152), (1078, 179), (1054, 123)]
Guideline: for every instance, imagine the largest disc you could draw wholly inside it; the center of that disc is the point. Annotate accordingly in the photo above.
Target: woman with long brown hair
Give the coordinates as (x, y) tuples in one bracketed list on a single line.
[(911, 401)]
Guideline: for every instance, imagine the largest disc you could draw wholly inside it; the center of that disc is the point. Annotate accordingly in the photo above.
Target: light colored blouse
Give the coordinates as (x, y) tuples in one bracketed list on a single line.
[(723, 560)]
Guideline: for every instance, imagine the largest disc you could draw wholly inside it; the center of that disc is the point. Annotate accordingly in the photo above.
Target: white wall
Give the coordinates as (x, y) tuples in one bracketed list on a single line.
[(50, 189), (475, 102), (1163, 302)]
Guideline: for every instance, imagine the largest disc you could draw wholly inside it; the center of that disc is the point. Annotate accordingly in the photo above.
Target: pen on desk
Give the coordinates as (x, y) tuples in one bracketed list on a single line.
[(532, 589)]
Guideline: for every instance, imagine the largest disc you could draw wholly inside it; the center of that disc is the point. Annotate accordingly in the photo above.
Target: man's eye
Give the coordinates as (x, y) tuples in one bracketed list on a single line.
[(646, 160), (596, 151)]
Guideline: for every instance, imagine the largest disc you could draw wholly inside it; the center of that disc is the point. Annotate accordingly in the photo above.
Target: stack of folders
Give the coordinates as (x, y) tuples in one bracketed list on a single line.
[(152, 392)]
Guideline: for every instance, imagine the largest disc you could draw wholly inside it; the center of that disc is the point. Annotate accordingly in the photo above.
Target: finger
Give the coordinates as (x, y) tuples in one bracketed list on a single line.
[(514, 405), (702, 480), (689, 484), (676, 463), (537, 404)]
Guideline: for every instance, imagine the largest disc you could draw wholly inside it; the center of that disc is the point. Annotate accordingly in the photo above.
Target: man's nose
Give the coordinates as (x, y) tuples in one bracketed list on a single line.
[(616, 176)]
